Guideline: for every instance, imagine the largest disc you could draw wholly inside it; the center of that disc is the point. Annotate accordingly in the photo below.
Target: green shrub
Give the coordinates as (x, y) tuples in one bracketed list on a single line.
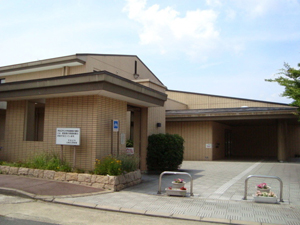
[(108, 165), (78, 170), (164, 152), (13, 164), (43, 161), (115, 166), (129, 143), (48, 161), (129, 163)]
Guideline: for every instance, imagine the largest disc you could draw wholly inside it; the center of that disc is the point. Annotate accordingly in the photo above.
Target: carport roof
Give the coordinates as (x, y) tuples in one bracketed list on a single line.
[(231, 113)]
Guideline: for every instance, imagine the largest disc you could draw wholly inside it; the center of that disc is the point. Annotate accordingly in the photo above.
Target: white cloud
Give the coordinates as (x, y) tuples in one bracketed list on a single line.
[(258, 8), (230, 14), (193, 34), (214, 3), (204, 66)]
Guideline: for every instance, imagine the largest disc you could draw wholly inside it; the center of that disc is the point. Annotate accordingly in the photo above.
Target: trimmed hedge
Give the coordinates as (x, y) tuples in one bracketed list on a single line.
[(165, 152)]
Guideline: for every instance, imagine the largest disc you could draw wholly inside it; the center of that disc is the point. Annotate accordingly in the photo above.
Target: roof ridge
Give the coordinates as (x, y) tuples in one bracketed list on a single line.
[(221, 96)]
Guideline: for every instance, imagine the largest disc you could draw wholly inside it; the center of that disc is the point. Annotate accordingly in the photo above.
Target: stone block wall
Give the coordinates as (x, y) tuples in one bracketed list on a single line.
[(114, 183)]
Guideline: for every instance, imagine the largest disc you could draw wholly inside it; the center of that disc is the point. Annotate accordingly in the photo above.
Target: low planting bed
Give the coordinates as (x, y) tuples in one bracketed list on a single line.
[(114, 183)]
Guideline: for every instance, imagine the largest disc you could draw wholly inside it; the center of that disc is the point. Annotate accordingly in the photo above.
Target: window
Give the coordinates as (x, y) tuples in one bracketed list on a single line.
[(2, 80), (2, 123), (34, 126), (3, 106)]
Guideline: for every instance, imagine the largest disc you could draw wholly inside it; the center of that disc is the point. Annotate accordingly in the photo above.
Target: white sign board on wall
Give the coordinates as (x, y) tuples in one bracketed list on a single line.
[(208, 145), (68, 136)]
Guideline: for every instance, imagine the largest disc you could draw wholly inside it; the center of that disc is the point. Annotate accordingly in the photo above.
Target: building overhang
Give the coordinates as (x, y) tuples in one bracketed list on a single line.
[(41, 65), (95, 83), (225, 114)]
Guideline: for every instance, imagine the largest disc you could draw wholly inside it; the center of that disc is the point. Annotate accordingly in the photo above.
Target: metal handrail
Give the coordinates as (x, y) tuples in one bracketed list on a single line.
[(262, 176), (174, 173)]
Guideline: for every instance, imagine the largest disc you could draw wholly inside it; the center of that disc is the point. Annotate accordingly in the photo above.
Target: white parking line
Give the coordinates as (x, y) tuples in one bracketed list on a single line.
[(227, 185)]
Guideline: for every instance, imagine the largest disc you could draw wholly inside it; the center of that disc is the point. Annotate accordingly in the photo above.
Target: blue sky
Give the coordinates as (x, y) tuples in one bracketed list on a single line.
[(220, 47)]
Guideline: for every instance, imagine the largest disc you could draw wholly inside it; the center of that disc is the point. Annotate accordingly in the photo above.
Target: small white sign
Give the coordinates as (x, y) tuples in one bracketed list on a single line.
[(130, 151), (115, 125), (208, 145), (68, 136)]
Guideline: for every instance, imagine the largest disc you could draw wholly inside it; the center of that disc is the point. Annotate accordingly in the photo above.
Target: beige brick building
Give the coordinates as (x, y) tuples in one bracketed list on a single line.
[(85, 91), (88, 91), (218, 127)]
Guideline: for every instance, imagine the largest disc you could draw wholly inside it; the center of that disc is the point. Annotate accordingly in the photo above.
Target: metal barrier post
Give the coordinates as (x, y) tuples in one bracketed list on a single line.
[(262, 176), (174, 173)]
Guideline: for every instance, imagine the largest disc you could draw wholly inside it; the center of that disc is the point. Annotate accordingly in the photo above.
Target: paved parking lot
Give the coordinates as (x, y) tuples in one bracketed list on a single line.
[(218, 194)]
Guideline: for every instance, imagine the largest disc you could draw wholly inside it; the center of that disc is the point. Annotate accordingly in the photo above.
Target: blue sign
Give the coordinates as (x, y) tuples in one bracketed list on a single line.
[(115, 125)]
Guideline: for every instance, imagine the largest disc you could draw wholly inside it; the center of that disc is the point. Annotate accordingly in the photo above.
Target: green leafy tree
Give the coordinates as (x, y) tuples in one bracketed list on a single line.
[(289, 78)]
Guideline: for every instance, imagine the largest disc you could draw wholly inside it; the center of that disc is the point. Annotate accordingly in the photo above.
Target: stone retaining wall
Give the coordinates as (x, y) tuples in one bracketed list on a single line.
[(115, 183)]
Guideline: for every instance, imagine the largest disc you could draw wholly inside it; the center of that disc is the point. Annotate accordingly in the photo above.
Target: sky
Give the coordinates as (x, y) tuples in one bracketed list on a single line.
[(218, 47)]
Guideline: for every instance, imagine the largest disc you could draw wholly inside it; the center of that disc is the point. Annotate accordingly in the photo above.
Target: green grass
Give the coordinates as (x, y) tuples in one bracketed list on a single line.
[(12, 164), (43, 161), (49, 161), (110, 165)]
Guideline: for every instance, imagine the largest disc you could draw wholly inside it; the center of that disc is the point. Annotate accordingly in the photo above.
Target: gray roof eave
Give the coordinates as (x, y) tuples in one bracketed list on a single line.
[(88, 83), (232, 112)]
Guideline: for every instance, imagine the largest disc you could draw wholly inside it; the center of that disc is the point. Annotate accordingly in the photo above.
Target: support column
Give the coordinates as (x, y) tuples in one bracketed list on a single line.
[(282, 135), (30, 121), (144, 138), (137, 132)]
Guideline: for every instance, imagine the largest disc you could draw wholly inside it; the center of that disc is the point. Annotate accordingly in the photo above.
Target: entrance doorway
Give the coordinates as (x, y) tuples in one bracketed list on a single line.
[(228, 143), (133, 130)]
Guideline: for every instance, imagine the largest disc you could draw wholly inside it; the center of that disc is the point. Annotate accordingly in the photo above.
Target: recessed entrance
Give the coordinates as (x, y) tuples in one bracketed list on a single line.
[(228, 143), (133, 130)]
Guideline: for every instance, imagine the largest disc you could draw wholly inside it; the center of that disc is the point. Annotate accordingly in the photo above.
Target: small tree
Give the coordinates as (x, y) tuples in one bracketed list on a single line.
[(165, 152), (290, 79)]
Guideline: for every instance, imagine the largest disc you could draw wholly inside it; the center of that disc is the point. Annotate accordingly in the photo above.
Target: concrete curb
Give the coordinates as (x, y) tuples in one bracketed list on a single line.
[(16, 192), (49, 198), (154, 214)]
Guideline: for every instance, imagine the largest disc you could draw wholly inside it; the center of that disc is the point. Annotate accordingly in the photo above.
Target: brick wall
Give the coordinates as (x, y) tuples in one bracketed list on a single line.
[(196, 135), (93, 114)]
